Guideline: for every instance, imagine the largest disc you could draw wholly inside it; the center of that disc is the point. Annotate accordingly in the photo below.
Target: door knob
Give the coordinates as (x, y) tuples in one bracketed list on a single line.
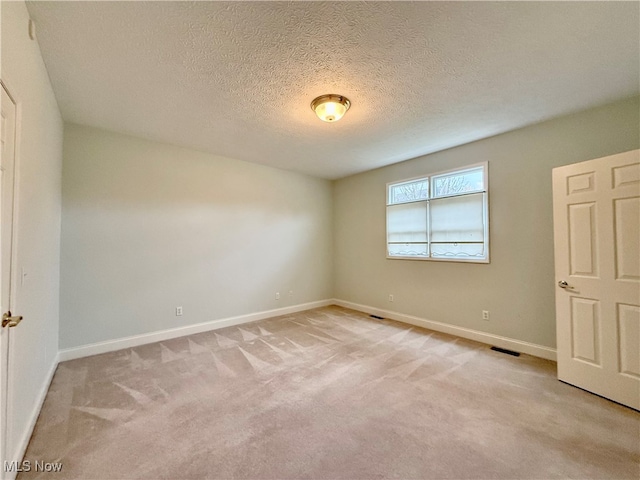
[(10, 321), (564, 284)]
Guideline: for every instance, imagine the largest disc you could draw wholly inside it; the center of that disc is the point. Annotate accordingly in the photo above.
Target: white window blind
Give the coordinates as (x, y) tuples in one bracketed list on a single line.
[(407, 229), (441, 217)]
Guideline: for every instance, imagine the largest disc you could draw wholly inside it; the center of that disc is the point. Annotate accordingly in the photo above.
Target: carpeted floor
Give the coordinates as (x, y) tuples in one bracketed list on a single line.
[(326, 394)]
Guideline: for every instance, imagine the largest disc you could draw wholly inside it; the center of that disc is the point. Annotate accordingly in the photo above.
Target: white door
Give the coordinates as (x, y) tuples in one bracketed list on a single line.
[(7, 176), (596, 214)]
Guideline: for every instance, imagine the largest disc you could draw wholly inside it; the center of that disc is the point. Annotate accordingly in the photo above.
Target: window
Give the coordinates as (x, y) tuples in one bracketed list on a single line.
[(440, 217)]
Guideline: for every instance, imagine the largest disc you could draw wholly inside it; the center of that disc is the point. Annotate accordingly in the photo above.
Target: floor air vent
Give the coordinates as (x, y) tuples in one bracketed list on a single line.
[(376, 316), (504, 350)]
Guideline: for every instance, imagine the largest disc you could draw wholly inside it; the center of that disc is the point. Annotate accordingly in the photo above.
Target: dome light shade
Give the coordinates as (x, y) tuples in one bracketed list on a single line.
[(330, 108)]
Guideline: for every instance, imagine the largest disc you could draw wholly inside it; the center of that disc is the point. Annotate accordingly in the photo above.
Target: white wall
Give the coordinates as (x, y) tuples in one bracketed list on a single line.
[(517, 287), (39, 165), (148, 227)]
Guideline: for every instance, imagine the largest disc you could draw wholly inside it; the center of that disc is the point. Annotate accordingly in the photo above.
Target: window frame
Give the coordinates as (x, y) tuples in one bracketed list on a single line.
[(428, 177)]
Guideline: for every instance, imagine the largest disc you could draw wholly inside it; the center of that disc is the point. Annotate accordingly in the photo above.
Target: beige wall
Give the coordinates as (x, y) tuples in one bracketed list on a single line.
[(39, 165), (517, 287), (148, 227)]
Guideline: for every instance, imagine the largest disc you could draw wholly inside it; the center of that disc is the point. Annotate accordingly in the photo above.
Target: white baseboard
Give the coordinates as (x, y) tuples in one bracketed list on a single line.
[(136, 340), (483, 337), (23, 443)]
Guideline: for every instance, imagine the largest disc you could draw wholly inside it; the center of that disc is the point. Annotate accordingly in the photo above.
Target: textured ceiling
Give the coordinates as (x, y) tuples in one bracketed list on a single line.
[(236, 78)]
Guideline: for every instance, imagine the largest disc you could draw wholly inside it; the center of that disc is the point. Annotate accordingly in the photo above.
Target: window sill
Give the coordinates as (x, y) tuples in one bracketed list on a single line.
[(450, 260)]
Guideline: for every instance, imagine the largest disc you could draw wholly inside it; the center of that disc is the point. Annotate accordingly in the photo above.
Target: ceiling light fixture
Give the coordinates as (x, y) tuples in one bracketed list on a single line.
[(330, 108)]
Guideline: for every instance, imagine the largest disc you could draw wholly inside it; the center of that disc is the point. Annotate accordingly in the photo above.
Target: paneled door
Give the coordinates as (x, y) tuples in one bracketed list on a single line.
[(596, 214), (7, 179)]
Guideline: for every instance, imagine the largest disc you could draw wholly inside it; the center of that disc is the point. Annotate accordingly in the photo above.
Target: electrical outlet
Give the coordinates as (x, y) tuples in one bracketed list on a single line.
[(277, 295), (391, 298), (178, 311), (290, 293), (485, 314)]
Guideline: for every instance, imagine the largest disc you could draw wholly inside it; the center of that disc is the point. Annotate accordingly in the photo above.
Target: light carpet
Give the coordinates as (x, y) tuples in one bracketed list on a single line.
[(328, 393)]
